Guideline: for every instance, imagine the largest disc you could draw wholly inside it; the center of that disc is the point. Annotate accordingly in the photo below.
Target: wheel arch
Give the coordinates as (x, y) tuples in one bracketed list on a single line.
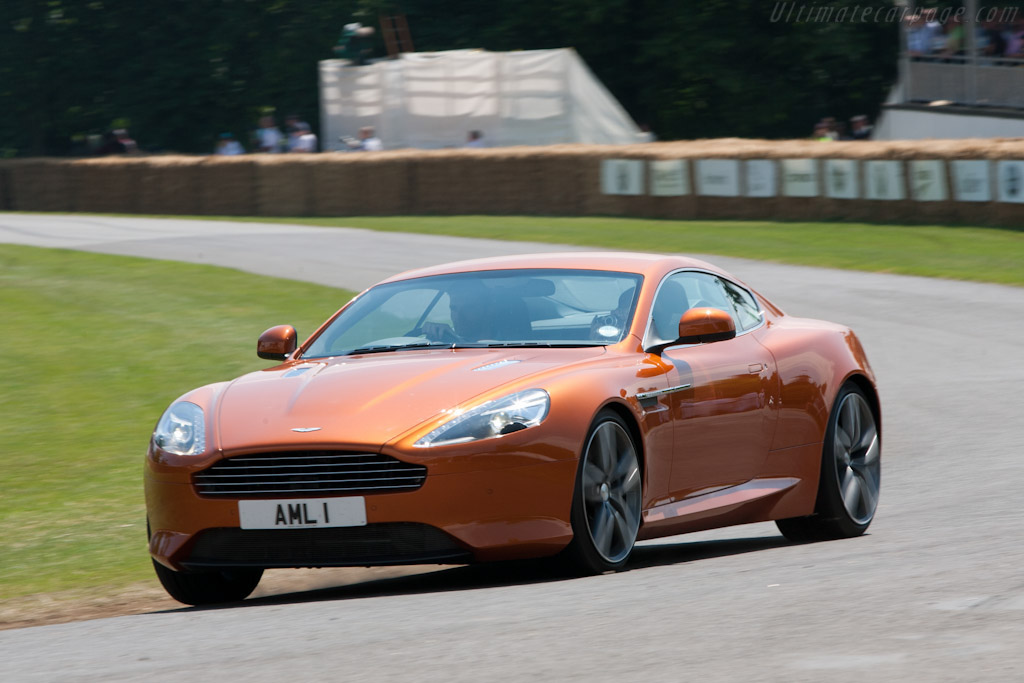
[(623, 411), (871, 392)]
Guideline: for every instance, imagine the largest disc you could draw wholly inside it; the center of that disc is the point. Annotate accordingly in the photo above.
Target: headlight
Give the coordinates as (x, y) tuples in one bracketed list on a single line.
[(494, 418), (182, 430)]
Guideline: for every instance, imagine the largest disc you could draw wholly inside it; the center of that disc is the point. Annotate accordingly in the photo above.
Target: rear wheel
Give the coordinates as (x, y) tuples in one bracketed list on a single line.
[(207, 588), (850, 473), (607, 498)]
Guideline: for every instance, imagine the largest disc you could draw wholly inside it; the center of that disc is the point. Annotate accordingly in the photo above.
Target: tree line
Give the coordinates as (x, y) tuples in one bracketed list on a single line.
[(177, 73)]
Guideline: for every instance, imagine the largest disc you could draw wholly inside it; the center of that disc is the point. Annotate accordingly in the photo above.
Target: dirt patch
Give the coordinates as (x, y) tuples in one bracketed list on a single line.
[(147, 596)]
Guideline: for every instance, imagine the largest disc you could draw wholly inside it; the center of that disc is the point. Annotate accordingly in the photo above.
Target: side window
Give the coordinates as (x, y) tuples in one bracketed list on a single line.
[(747, 311), (691, 289), (674, 298), (710, 293)]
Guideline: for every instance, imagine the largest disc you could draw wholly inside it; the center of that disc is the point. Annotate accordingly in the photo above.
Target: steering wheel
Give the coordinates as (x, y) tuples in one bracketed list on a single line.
[(447, 334)]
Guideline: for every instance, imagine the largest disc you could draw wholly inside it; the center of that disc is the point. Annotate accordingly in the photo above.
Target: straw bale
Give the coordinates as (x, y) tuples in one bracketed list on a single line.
[(39, 185), (492, 182), (1006, 214), (595, 201), (334, 181), (562, 183), (435, 185), (552, 180), (283, 185), (107, 185), (226, 186), (387, 188), (169, 185), (5, 193), (348, 184)]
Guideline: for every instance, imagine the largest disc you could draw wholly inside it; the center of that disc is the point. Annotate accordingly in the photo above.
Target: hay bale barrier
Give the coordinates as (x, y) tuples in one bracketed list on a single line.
[(978, 182), (226, 186), (167, 185)]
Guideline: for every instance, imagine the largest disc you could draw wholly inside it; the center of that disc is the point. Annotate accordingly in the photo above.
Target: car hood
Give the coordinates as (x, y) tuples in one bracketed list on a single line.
[(368, 400)]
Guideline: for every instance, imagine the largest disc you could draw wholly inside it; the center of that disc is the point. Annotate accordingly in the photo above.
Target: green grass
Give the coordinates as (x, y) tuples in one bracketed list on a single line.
[(963, 253), (98, 347)]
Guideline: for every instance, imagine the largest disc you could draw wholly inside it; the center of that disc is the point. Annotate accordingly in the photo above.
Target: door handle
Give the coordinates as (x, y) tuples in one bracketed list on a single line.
[(756, 368)]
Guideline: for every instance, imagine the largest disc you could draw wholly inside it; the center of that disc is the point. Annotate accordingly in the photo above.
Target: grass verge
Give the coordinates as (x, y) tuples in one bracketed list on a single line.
[(100, 346)]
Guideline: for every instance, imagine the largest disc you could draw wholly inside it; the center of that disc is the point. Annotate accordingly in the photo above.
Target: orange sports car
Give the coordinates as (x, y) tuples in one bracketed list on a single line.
[(516, 407)]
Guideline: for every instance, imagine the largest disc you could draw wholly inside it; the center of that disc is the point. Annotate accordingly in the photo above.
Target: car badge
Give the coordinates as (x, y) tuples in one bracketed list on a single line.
[(306, 429)]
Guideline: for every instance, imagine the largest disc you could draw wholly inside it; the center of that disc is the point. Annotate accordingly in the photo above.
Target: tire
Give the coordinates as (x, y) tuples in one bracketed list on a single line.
[(851, 468), (606, 498), (207, 588)]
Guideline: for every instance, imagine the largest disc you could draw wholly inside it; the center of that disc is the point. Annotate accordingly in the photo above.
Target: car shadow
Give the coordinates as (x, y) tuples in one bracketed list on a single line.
[(500, 574)]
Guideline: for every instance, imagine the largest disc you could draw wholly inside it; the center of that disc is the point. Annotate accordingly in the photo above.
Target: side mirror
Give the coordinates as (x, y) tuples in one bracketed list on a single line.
[(701, 325), (704, 325), (277, 343)]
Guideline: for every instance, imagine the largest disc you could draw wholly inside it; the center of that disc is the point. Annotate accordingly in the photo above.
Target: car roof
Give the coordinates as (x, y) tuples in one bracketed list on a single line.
[(653, 265)]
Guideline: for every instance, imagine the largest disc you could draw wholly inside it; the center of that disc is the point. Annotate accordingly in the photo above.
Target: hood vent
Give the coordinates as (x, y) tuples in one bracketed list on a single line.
[(495, 365)]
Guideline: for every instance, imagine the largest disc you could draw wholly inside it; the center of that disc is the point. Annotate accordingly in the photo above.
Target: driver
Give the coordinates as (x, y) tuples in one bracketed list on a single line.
[(469, 316), (611, 326)]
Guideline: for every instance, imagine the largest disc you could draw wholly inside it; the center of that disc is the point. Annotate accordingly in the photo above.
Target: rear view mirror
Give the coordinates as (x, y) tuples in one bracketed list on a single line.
[(277, 343), (703, 325)]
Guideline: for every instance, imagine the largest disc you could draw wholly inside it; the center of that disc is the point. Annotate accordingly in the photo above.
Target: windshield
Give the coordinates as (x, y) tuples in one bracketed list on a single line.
[(529, 307)]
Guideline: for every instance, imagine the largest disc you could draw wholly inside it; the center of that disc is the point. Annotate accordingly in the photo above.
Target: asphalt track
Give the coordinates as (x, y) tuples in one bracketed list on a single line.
[(935, 591)]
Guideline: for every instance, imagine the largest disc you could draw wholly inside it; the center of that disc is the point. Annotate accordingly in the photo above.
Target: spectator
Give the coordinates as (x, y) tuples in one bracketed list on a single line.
[(954, 38), (990, 40), (368, 140), (938, 34), (919, 36), (302, 139), (117, 142), (268, 136), (1015, 40), (475, 139), (860, 127), (831, 127), (821, 132), (227, 145)]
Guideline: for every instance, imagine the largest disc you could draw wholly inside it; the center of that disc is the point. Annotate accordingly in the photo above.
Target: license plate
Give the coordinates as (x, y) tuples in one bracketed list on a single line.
[(302, 513)]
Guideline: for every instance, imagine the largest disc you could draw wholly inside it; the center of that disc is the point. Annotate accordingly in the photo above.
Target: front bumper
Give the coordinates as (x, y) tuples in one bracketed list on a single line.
[(455, 517)]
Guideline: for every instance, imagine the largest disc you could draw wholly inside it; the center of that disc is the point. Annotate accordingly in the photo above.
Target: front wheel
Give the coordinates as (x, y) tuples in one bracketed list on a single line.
[(607, 498), (851, 469), (207, 588)]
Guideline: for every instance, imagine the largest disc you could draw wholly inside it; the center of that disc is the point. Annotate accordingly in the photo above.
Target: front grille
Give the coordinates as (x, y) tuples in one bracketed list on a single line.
[(370, 545), (308, 472)]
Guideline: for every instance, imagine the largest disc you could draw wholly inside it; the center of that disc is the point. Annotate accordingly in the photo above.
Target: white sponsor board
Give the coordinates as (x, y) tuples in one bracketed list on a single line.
[(971, 181), (928, 180), (842, 179), (622, 176), (884, 180), (718, 177), (1011, 181), (669, 178), (761, 178), (800, 177)]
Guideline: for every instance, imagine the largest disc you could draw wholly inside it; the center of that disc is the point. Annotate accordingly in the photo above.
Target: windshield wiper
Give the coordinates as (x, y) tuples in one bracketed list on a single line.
[(527, 344), (399, 347)]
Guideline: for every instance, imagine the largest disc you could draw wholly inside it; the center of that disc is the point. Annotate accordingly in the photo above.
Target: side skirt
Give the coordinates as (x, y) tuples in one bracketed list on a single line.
[(757, 500)]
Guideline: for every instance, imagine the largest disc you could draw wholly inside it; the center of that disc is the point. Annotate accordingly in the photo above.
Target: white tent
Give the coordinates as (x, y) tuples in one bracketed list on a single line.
[(432, 100)]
